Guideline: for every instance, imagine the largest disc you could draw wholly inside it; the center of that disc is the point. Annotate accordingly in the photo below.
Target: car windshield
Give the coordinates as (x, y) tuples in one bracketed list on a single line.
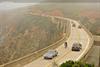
[(76, 44), (50, 52)]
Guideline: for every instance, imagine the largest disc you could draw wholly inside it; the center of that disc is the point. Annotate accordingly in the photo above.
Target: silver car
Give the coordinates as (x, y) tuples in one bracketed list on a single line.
[(76, 47), (50, 54)]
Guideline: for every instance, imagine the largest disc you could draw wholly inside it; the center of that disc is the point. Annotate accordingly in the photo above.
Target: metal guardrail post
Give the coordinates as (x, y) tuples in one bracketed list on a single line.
[(90, 43)]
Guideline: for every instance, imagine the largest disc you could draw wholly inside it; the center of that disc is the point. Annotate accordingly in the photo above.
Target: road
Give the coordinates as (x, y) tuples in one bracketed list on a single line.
[(77, 35)]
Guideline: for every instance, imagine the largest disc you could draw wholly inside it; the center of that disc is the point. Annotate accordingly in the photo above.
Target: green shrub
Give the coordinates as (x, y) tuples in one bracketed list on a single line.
[(63, 65), (75, 64)]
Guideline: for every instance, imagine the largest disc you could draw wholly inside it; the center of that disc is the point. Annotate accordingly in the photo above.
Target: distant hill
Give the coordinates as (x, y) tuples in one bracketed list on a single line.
[(87, 13), (91, 19)]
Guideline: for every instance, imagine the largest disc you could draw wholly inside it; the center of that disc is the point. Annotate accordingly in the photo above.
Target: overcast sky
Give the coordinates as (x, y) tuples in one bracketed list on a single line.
[(51, 0), (11, 5)]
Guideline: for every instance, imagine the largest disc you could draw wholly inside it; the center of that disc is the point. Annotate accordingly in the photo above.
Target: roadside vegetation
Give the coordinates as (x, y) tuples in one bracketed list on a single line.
[(75, 64)]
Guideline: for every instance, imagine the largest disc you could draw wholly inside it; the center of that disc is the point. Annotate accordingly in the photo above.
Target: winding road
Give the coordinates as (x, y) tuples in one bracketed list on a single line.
[(76, 35)]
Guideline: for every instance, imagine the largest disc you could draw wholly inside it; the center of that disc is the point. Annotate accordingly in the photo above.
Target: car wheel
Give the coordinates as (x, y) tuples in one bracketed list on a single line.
[(55, 55)]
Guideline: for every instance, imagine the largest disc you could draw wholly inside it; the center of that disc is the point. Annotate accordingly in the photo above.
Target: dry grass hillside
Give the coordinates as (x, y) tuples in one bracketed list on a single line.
[(22, 33), (87, 13)]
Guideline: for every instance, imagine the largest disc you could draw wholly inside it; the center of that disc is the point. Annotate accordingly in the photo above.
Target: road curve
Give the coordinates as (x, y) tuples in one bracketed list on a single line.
[(77, 35)]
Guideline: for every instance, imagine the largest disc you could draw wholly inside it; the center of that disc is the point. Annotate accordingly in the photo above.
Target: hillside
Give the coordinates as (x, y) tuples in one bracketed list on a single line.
[(87, 13), (91, 19), (22, 33)]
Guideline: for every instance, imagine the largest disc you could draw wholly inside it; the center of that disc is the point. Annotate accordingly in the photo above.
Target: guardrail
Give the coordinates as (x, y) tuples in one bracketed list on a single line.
[(30, 57), (90, 44), (85, 54), (96, 37)]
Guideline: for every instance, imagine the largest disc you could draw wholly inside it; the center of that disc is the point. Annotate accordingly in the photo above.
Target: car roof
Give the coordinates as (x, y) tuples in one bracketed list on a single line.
[(76, 43), (50, 52)]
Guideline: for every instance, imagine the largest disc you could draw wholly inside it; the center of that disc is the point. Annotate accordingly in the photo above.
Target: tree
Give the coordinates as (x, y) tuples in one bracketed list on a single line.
[(75, 64)]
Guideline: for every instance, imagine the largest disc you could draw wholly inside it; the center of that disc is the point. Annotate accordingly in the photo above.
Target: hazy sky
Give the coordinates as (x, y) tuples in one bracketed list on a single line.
[(12, 5), (22, 0), (52, 0)]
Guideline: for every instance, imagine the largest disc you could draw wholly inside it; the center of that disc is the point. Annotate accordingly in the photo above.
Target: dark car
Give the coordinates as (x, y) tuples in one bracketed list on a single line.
[(73, 25), (76, 47), (79, 26), (50, 54), (65, 44)]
